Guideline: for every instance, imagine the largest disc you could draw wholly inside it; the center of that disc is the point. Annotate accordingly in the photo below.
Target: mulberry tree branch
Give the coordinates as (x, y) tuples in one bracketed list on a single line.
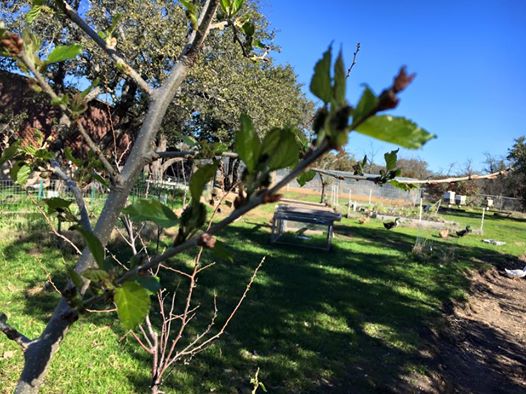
[(12, 333), (118, 59)]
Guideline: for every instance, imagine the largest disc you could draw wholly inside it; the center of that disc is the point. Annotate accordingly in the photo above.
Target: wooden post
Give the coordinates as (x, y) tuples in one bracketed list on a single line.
[(482, 221), (338, 193), (370, 195), (336, 189), (322, 197), (420, 213), (349, 203)]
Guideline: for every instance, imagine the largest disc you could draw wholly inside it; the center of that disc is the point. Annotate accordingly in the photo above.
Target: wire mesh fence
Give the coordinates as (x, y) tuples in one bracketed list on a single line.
[(15, 199), (365, 192), (499, 202)]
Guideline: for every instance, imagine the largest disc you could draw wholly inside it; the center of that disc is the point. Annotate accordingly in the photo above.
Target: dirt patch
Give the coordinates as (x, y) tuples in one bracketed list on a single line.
[(482, 346)]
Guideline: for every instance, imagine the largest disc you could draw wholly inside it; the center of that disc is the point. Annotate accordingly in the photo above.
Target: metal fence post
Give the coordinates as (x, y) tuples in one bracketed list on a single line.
[(40, 190), (482, 221)]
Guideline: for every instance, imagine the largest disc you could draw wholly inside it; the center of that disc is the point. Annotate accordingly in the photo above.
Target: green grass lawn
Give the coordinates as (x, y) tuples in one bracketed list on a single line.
[(348, 320)]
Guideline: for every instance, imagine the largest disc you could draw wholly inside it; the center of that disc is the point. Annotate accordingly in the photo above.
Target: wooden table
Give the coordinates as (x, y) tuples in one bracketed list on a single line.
[(322, 216)]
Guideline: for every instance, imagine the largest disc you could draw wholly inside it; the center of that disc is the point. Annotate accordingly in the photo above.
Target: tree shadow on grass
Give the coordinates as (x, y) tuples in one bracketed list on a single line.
[(478, 215), (48, 257), (316, 321), (348, 320)]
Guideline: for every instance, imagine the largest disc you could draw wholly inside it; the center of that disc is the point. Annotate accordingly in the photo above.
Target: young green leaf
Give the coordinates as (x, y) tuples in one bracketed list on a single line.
[(64, 52), (191, 11), (249, 28), (69, 155), (193, 217), (20, 173), (150, 283), (226, 7), (236, 6), (358, 168), (116, 19), (190, 141), (133, 304), (368, 102), (320, 84), (43, 154), (96, 275), (306, 177), (57, 203), (390, 159), (151, 211), (60, 100), (199, 180), (94, 244), (396, 130), (75, 278), (247, 143), (402, 186), (339, 81), (100, 179), (281, 147), (10, 152), (33, 13)]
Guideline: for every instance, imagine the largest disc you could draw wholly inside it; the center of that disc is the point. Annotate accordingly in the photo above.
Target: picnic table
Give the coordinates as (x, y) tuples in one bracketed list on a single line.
[(303, 213)]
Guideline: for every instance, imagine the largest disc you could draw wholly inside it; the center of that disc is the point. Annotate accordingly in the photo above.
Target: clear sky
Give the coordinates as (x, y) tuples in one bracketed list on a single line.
[(469, 56)]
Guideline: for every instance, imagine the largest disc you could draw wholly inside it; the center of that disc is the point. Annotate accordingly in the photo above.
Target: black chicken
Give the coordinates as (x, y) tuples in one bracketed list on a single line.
[(467, 230), (391, 225)]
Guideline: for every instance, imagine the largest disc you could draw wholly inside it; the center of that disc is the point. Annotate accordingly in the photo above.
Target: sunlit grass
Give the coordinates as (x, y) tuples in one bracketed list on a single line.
[(314, 321)]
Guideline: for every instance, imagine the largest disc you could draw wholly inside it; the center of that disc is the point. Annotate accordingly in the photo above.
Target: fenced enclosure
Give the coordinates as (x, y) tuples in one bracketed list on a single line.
[(501, 203), (23, 207), (338, 190)]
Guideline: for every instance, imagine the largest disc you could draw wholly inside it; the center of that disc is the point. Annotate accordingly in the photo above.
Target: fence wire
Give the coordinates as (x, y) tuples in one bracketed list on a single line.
[(358, 191), (19, 200)]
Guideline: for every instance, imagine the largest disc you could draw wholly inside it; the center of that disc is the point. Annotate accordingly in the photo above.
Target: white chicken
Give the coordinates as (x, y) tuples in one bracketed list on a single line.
[(516, 274)]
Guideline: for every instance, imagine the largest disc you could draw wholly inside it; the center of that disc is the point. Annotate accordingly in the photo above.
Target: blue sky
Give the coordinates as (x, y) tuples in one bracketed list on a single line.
[(469, 56)]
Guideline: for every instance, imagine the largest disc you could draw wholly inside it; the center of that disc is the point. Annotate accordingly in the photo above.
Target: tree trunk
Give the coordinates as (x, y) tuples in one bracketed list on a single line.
[(156, 387), (156, 168), (40, 352), (322, 197), (235, 171)]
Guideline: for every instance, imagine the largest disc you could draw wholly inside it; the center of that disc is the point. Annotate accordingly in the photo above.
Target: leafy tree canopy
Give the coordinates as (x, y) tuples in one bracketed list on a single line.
[(150, 35), (517, 158)]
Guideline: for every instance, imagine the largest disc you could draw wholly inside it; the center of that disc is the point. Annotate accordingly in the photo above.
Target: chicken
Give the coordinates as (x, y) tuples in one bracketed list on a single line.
[(467, 230), (363, 219), (516, 274), (444, 233), (391, 225)]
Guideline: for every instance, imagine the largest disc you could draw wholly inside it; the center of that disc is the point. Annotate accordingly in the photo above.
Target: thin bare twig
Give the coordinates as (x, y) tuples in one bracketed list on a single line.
[(101, 310), (354, 57), (191, 350), (50, 280), (84, 216), (67, 112), (121, 64), (53, 229), (147, 349), (12, 333)]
